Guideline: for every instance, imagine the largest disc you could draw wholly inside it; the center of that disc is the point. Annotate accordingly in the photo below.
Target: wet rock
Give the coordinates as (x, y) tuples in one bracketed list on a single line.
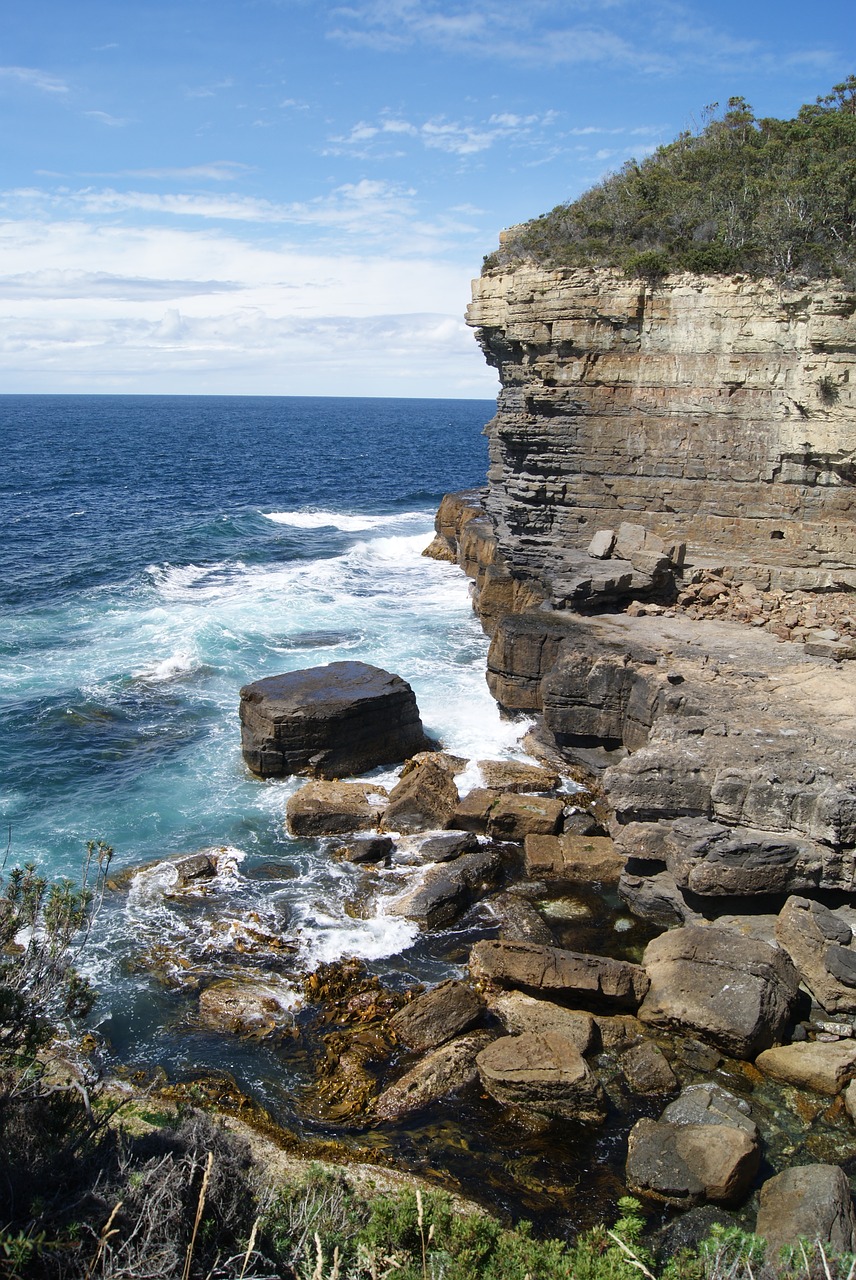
[(366, 849), (538, 968), (518, 920), (708, 1103), (436, 1016), (447, 890), (474, 809), (514, 817), (446, 847), (733, 990), (194, 869), (818, 940), (244, 1008), (823, 1067), (574, 857), (647, 1071), (811, 1202), (655, 898), (443, 1071), (424, 799), (323, 808), (343, 718), (543, 1072), (618, 1031), (520, 1013), (685, 1164), (514, 775)]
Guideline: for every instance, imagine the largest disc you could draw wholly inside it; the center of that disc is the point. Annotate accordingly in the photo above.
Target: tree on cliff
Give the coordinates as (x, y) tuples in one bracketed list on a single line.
[(762, 196)]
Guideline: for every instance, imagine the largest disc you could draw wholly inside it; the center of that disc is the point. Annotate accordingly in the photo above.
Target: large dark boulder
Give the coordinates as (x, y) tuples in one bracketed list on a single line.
[(329, 721)]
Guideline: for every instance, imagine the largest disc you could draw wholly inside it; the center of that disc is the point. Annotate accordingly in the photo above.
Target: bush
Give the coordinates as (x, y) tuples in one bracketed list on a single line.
[(760, 196)]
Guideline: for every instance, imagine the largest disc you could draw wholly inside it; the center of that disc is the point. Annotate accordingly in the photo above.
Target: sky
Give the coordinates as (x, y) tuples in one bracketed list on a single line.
[(291, 197)]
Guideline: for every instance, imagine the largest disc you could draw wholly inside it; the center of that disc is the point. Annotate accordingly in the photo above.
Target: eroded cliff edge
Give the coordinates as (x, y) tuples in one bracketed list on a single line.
[(665, 558)]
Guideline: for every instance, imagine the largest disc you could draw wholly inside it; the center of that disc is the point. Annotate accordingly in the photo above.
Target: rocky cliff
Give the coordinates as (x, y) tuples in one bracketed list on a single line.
[(719, 412), (671, 496)]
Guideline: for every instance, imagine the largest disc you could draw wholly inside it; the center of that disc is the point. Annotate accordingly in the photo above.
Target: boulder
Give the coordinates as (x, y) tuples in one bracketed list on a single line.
[(822, 1066), (655, 897), (518, 920), (520, 1013), (339, 719), (686, 1164), (709, 1103), (574, 857), (514, 817), (244, 1008), (423, 800), (818, 942), (445, 891), (366, 849), (539, 968), (647, 1071), (474, 809), (515, 775), (543, 1072), (448, 846), (323, 808), (436, 1016), (443, 1071), (811, 1202), (736, 991)]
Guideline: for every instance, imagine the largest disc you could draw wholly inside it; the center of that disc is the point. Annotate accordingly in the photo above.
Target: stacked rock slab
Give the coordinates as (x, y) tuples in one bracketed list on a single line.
[(330, 721)]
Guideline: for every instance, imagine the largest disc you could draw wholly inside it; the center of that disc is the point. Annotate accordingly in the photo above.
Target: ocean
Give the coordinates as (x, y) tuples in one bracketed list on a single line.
[(157, 554)]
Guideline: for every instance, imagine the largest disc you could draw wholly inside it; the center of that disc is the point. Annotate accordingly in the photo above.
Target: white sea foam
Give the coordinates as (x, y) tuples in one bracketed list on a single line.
[(167, 669), (339, 520)]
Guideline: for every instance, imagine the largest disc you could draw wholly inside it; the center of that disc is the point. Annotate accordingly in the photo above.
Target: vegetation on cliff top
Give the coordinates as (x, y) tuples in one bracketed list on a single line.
[(763, 196)]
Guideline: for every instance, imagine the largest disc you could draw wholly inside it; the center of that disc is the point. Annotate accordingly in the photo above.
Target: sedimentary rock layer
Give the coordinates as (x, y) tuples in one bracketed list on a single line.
[(716, 411)]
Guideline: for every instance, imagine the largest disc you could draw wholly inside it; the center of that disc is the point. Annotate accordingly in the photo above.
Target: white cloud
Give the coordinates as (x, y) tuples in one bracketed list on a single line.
[(461, 138), (34, 79), (92, 306), (103, 117)]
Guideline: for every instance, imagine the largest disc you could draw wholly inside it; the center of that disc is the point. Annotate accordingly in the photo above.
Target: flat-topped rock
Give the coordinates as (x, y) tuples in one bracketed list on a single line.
[(573, 973), (822, 1066), (324, 808), (542, 1071), (330, 721)]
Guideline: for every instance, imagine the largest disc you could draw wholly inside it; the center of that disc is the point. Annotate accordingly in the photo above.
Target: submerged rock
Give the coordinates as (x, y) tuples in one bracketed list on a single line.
[(244, 1008), (329, 721)]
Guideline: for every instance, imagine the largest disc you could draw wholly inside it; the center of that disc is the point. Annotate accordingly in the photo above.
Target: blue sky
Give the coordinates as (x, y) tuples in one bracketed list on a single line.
[(291, 196)]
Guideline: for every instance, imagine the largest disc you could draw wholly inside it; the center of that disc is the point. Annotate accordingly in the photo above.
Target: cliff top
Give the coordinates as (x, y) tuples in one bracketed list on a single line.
[(766, 197)]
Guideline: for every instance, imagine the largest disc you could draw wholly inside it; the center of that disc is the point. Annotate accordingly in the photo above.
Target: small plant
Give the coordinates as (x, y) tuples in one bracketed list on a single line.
[(827, 389)]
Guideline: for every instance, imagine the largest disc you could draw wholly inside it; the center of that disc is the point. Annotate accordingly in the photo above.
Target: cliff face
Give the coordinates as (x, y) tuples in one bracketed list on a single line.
[(716, 411)]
